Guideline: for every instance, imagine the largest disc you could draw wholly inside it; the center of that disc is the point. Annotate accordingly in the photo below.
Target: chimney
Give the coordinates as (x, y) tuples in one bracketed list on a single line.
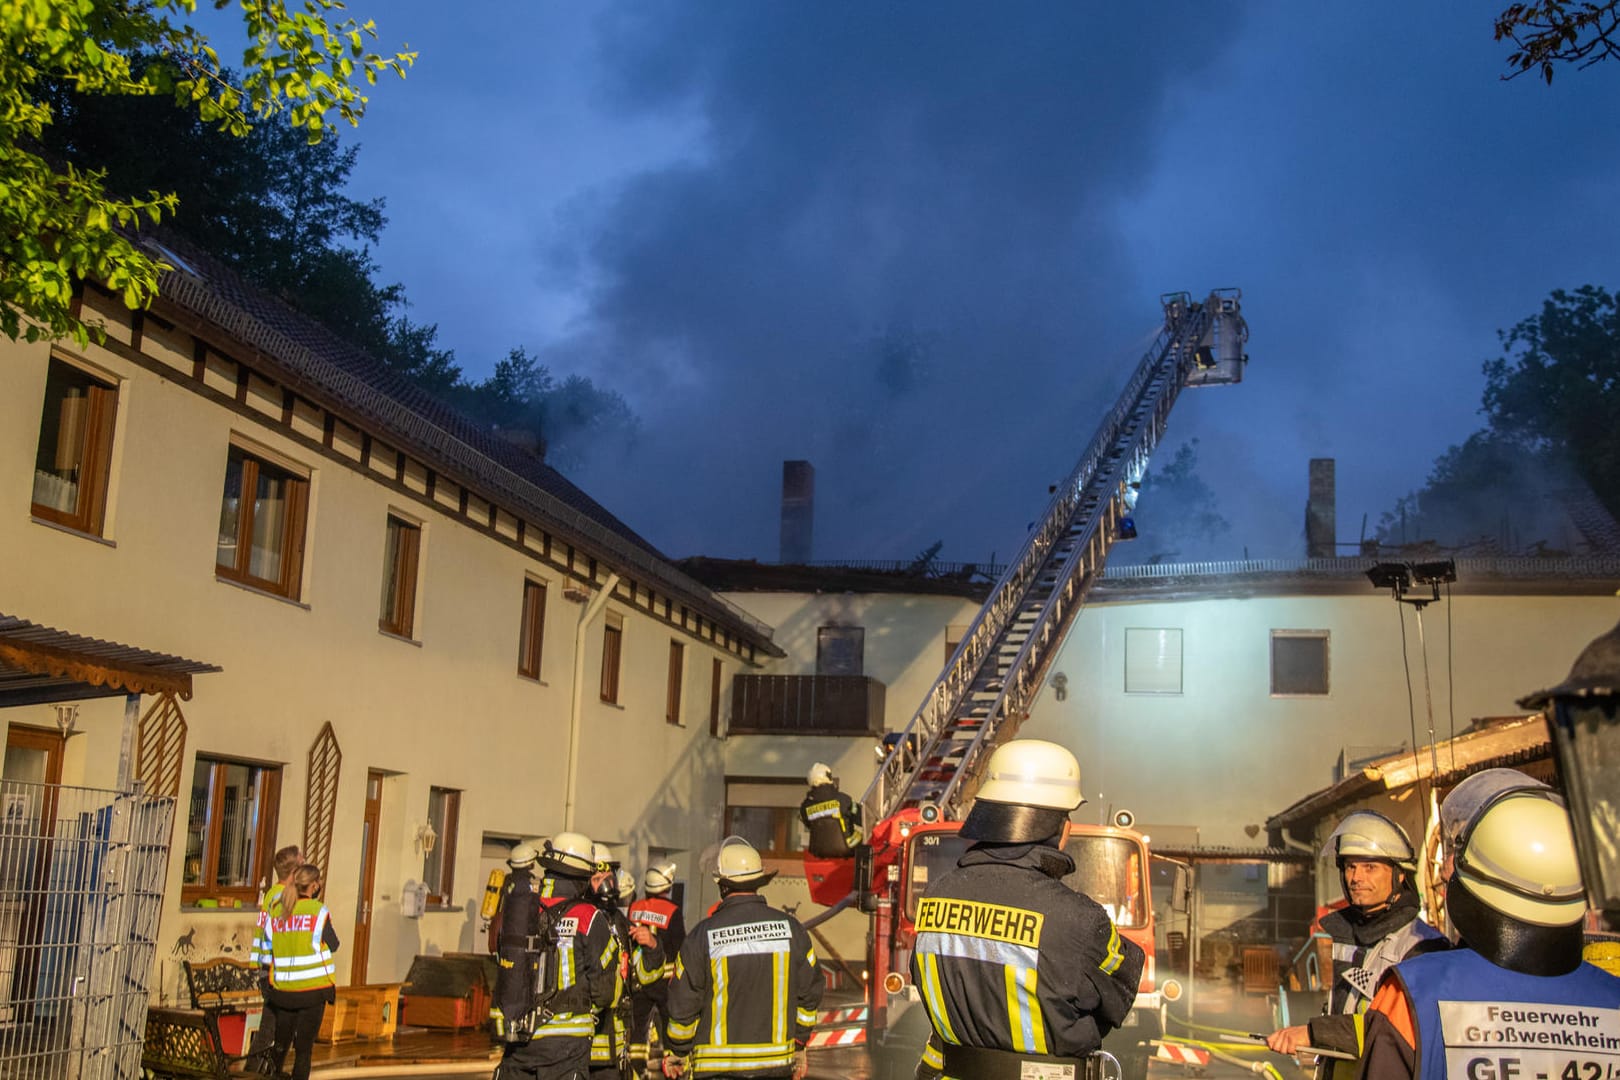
[(1321, 530), (798, 511)]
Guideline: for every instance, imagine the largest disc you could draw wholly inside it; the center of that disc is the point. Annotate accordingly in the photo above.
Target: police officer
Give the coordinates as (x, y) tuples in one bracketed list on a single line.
[(1379, 927), (659, 928), (552, 1039), (833, 818), (513, 938), (1020, 974), (746, 987), (1514, 998)]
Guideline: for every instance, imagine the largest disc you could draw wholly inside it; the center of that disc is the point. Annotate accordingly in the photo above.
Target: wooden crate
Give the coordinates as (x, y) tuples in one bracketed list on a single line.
[(377, 1009), (455, 1013), (339, 1020)]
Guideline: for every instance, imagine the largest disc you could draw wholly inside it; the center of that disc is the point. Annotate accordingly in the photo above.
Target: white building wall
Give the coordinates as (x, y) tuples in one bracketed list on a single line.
[(448, 710), (1225, 753)]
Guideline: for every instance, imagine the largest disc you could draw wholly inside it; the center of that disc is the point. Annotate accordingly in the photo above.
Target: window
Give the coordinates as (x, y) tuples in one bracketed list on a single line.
[(439, 857), (231, 831), (261, 525), (75, 449), (766, 814), (612, 643), (1299, 663), (400, 554), (672, 698), (840, 650), (717, 673), (1152, 661), (532, 634)]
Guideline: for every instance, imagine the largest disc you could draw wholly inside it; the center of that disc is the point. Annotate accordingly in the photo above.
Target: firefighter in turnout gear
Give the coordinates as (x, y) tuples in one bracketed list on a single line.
[(610, 1054), (1514, 998), (1378, 928), (513, 933), (833, 818), (1018, 972), (659, 928), (746, 989), (571, 979)]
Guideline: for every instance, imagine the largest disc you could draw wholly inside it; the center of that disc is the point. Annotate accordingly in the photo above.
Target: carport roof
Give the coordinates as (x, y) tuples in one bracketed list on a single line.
[(41, 663)]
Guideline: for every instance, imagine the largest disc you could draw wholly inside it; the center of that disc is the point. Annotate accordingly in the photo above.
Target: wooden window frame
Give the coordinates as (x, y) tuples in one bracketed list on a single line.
[(290, 580), (612, 656), (95, 467), (444, 849), (717, 671), (1326, 638), (400, 601), (264, 838), (532, 629), (677, 672)]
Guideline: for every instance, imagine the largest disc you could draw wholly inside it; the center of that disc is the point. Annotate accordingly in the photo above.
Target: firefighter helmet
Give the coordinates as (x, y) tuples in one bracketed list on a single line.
[(626, 882), (659, 879), (522, 854), (819, 774), (1367, 834), (1517, 856), (1464, 802), (568, 854), (602, 856), (1030, 787), (739, 865)]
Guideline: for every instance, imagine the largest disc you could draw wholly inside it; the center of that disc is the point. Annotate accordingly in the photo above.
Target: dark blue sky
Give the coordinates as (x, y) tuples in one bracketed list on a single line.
[(920, 244)]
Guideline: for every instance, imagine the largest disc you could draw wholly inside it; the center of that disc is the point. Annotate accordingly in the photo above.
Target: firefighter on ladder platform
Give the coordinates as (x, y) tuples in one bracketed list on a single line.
[(659, 927), (1021, 975), (833, 818)]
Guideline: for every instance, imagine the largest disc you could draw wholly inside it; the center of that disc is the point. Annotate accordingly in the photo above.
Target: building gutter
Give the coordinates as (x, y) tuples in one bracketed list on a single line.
[(576, 709)]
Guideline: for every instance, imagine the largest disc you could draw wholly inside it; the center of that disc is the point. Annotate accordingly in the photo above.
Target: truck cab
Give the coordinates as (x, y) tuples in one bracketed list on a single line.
[(1111, 866)]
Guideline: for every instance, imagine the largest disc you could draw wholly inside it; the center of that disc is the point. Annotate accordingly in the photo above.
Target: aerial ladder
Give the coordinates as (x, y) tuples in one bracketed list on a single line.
[(990, 683)]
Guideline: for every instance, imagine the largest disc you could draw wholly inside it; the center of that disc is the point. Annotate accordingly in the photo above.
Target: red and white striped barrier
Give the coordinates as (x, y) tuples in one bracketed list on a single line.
[(1181, 1054), (850, 1036), (854, 1014)]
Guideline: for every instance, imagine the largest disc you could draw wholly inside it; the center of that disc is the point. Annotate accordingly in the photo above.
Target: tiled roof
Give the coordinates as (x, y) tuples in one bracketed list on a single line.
[(322, 365)]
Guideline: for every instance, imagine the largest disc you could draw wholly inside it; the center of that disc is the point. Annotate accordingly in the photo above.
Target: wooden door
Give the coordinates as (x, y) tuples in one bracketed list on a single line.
[(31, 773), (368, 877)]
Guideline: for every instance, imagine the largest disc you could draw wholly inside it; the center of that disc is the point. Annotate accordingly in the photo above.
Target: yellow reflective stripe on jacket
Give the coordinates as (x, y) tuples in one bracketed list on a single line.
[(718, 1003), (779, 996), (1116, 952), (683, 1030), (742, 1057), (1025, 1025), (933, 1057), (299, 957), (572, 1025), (934, 998)]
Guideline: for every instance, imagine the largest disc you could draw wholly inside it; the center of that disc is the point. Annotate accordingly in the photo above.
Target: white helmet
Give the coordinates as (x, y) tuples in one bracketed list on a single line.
[(1367, 834), (627, 886), (659, 878), (1518, 857), (522, 854), (569, 853), (603, 857), (739, 864), (1464, 802), (1030, 787), (819, 774)]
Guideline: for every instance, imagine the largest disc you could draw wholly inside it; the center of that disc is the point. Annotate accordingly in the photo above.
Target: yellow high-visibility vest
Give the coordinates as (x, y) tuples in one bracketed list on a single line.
[(299, 958)]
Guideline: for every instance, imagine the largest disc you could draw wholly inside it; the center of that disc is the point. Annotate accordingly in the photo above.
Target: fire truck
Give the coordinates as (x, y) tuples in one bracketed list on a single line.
[(925, 786)]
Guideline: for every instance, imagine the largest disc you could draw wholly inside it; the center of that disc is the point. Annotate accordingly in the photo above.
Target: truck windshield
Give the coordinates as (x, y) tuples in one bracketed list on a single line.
[(1106, 868), (1109, 870)]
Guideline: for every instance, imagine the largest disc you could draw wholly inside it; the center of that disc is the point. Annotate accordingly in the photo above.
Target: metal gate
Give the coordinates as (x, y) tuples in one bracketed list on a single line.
[(81, 891)]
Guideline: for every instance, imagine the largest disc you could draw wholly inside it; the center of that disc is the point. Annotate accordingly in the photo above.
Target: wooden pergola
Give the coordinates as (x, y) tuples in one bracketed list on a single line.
[(40, 664)]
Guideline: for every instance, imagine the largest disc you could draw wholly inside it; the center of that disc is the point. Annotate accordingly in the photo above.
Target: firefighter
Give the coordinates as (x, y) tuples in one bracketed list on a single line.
[(746, 987), (659, 928), (514, 939), (833, 818), (571, 979), (610, 1055), (1020, 974), (1379, 927), (1515, 998)]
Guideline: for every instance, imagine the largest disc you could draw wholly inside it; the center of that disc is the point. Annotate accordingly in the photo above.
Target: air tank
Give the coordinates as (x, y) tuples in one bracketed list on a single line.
[(1220, 356)]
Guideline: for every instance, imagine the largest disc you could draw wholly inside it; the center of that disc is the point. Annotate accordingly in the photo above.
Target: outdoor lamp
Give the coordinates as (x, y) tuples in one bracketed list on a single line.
[(1583, 713)]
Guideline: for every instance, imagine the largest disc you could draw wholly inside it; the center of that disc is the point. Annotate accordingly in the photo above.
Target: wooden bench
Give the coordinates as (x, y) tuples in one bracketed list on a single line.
[(188, 1042)]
